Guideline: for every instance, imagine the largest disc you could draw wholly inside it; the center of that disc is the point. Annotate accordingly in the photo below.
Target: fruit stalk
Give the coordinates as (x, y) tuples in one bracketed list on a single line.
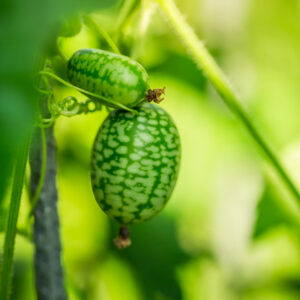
[(123, 241)]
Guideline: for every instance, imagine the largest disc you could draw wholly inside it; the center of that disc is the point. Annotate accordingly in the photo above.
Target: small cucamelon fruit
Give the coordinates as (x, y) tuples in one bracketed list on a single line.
[(135, 162), (112, 76)]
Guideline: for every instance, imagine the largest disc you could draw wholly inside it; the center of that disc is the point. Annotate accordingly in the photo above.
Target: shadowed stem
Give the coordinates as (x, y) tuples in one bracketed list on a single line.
[(39, 187), (11, 226), (48, 269), (205, 61), (49, 277)]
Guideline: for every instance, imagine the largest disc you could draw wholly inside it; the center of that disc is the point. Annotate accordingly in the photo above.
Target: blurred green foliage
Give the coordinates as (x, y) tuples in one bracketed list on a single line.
[(27, 29), (223, 235)]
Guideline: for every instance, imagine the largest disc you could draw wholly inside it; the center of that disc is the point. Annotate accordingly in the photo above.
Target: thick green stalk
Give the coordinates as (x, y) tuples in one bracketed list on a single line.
[(11, 226), (49, 275), (205, 61), (42, 177)]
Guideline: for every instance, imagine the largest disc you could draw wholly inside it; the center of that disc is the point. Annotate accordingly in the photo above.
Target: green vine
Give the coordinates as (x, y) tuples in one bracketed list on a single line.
[(205, 61), (36, 196), (11, 226)]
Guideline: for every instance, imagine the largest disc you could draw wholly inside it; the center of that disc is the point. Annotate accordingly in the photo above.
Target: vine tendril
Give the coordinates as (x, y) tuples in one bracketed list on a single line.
[(70, 106), (110, 101)]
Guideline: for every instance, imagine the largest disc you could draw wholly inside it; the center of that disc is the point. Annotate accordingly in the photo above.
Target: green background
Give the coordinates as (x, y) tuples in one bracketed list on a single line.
[(224, 233)]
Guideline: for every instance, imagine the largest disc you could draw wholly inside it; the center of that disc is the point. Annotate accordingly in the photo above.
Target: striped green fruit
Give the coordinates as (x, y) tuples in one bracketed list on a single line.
[(135, 162), (111, 76)]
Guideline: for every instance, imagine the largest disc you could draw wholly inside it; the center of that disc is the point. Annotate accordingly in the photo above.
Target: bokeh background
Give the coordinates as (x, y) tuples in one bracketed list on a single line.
[(225, 233)]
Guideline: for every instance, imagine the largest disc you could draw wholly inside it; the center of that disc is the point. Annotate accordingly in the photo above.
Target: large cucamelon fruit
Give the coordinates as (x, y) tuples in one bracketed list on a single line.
[(111, 76), (135, 162)]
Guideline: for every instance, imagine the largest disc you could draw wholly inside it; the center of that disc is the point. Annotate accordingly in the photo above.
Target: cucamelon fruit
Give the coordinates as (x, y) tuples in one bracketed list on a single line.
[(112, 76), (135, 162)]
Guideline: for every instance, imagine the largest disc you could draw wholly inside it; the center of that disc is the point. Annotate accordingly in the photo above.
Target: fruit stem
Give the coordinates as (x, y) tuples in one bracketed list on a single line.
[(155, 95), (123, 241)]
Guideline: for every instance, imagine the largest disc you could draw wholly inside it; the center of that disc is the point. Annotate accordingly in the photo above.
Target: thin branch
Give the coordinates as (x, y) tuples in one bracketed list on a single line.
[(205, 61), (93, 25)]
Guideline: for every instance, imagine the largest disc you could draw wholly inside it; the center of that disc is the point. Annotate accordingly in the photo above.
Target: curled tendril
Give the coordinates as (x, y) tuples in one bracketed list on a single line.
[(93, 95), (45, 123), (91, 106), (70, 106)]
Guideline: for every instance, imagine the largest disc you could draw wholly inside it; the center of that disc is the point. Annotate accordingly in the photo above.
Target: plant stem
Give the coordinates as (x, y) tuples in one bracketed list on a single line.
[(204, 60), (49, 277), (11, 226), (93, 25), (48, 269), (42, 175)]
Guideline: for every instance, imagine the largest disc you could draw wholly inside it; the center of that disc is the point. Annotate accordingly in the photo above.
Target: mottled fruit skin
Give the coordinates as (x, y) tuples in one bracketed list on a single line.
[(135, 162), (115, 77)]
